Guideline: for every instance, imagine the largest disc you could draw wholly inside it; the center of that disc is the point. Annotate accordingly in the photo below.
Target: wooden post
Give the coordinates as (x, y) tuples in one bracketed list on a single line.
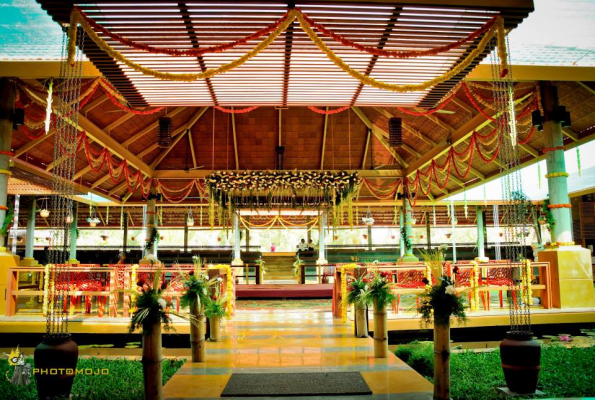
[(380, 332), (215, 324), (442, 362), (361, 321), (152, 372), (197, 334)]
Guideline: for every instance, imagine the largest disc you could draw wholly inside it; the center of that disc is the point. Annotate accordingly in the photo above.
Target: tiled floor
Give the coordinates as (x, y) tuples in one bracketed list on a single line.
[(293, 341)]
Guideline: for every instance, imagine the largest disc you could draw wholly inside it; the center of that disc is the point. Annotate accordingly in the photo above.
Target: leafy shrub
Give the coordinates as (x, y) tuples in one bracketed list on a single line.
[(124, 381)]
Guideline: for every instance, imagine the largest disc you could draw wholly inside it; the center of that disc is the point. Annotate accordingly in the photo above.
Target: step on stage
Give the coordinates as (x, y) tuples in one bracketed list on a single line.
[(287, 291)]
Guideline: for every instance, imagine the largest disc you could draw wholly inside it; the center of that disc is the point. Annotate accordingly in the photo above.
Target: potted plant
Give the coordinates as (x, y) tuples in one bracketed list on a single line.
[(195, 296), (152, 310), (438, 304), (379, 293), (215, 310), (297, 268), (356, 295)]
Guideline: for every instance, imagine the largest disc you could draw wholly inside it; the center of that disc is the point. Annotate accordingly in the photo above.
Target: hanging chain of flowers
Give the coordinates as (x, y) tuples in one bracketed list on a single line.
[(474, 285), (229, 286), (46, 288), (527, 277)]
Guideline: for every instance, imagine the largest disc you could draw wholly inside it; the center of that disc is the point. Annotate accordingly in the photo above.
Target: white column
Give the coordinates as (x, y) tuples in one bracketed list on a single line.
[(15, 222), (30, 236), (401, 225), (237, 255), (322, 233)]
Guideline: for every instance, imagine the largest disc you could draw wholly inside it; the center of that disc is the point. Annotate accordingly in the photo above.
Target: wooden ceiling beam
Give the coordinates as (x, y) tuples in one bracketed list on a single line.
[(94, 104), (323, 148), (32, 143), (437, 121), (407, 127), (457, 137), (192, 153), (177, 131), (118, 122), (366, 145), (143, 132), (165, 152), (379, 135), (235, 140), (589, 88)]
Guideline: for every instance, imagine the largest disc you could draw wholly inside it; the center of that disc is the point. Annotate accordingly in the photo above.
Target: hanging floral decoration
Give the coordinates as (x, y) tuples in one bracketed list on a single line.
[(526, 279), (328, 112), (234, 111), (493, 28), (229, 190)]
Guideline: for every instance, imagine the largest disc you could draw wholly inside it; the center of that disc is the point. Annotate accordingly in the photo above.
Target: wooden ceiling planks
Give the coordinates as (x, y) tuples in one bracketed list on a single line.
[(292, 71)]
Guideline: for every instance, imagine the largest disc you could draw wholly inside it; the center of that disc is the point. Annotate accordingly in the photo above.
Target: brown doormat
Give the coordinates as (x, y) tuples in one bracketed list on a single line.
[(296, 384)]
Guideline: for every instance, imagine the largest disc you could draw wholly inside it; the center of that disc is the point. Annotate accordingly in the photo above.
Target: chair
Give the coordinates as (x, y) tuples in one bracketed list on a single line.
[(463, 279), (498, 278), (408, 279)]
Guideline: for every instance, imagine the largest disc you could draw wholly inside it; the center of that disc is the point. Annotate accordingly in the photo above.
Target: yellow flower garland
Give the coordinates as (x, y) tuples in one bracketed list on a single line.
[(231, 296), (474, 285), (76, 18), (368, 80), (133, 277), (527, 293), (344, 268), (557, 175), (46, 288), (497, 30)]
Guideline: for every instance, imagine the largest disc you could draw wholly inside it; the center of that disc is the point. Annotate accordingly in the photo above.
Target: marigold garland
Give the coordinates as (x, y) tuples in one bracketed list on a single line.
[(229, 286), (561, 205), (526, 278), (494, 28), (550, 149), (344, 269), (233, 111), (328, 112), (557, 175)]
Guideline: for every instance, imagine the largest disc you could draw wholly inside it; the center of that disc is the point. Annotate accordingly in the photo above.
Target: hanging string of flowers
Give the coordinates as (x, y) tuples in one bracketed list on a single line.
[(382, 193), (328, 112), (344, 269), (233, 111), (494, 27)]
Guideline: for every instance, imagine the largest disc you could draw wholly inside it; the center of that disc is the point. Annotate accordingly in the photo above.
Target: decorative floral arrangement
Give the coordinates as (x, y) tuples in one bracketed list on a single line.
[(379, 292), (215, 306), (547, 215), (439, 302), (261, 262), (151, 306), (8, 220), (357, 291), (196, 288)]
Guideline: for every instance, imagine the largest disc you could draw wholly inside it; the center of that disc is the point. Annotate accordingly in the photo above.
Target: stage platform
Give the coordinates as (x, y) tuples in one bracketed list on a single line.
[(284, 291)]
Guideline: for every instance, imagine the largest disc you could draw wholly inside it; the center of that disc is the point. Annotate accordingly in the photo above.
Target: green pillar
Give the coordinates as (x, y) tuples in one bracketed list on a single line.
[(7, 97), (408, 257), (428, 231), (369, 237), (125, 235), (30, 235), (453, 218), (480, 242), (401, 225), (73, 233), (151, 224), (557, 180)]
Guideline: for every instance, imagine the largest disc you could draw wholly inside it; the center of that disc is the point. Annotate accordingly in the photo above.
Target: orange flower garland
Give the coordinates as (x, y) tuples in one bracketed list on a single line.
[(240, 111), (561, 205)]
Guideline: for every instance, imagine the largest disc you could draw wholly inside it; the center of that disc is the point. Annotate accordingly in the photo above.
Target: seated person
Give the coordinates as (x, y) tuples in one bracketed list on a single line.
[(302, 246), (311, 246)]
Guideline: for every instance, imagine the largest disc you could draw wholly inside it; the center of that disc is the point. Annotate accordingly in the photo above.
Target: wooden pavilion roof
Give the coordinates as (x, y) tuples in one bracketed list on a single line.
[(355, 139), (292, 71)]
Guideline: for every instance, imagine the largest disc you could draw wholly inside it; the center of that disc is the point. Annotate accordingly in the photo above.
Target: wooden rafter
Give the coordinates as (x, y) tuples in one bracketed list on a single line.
[(32, 143), (94, 104), (235, 140), (323, 148), (118, 122), (165, 152), (192, 153), (368, 137), (143, 132), (379, 135)]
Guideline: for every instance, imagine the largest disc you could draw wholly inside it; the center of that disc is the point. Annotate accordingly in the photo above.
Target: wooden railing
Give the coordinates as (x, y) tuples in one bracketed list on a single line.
[(493, 276), (106, 284)]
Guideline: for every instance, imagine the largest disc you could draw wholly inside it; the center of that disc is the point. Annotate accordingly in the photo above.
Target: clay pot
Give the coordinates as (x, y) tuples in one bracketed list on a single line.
[(53, 353), (520, 356)]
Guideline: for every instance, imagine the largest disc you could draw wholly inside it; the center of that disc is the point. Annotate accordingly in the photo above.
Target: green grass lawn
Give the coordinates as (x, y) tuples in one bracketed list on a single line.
[(124, 381), (565, 372)]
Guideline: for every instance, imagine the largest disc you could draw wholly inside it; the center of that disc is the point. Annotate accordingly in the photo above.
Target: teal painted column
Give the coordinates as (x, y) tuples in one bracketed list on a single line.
[(73, 232), (370, 238), (30, 235), (408, 257), (151, 225), (7, 97), (453, 218), (401, 225), (480, 243), (557, 178)]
